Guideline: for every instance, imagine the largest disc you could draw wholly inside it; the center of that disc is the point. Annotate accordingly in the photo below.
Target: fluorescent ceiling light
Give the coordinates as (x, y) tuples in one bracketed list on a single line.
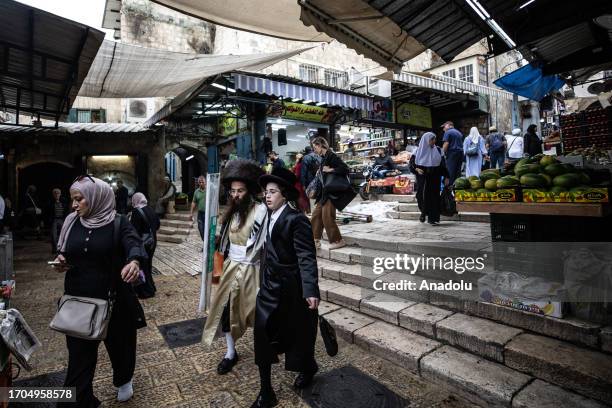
[(296, 100), (198, 112), (216, 85), (526, 4), (482, 13), (307, 101), (320, 103), (189, 157), (215, 112)]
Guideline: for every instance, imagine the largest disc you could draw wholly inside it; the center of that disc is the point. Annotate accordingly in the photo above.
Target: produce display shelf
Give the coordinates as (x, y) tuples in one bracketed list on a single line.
[(553, 209)]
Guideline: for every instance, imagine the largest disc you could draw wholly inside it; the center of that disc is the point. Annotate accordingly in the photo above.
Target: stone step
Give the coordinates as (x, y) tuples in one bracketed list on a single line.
[(540, 394), (464, 217), (169, 238), (179, 216), (480, 381), (587, 372), (444, 303), (176, 224), (173, 231), (410, 198), (407, 207)]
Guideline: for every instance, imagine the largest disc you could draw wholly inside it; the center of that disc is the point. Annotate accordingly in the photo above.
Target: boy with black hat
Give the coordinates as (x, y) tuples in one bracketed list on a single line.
[(242, 237), (286, 315)]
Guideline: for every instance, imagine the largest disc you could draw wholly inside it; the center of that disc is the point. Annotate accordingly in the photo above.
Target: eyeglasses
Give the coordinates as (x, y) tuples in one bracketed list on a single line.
[(270, 192), (82, 177)]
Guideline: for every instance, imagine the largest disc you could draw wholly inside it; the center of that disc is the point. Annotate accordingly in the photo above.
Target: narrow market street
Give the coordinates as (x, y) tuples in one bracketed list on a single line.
[(186, 376)]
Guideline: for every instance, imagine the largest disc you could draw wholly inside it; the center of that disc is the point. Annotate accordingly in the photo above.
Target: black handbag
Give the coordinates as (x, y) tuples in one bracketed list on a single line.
[(328, 334), (448, 206), (335, 183)]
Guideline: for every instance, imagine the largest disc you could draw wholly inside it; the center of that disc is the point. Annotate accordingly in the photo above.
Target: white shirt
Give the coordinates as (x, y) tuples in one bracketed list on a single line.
[(274, 216), (515, 146), (1, 208)]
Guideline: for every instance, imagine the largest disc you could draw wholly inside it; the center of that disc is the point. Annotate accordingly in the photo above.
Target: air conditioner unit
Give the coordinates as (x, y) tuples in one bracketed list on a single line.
[(139, 110)]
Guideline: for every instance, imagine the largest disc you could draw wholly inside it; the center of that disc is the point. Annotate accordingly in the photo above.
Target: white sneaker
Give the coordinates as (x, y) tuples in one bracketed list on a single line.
[(317, 243), (125, 392), (337, 245)]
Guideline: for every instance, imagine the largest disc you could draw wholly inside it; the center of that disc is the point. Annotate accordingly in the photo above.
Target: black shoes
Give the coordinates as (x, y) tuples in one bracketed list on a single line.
[(303, 380), (265, 400), (422, 218), (226, 365), (434, 223)]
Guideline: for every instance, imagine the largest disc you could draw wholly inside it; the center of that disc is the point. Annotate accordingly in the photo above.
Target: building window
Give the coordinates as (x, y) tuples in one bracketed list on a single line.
[(87, 115), (309, 73), (450, 73), (336, 79), (482, 74), (466, 73)]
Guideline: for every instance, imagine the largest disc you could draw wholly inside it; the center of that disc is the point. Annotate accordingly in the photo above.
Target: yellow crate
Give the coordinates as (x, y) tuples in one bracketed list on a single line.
[(504, 195), (590, 195)]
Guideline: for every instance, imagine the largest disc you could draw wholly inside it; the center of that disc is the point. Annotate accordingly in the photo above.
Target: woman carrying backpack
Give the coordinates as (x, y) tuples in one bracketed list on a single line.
[(474, 150), (146, 223)]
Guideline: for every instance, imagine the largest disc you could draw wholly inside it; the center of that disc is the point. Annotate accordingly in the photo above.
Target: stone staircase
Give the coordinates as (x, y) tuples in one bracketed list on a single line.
[(407, 209), (174, 228), (492, 355)]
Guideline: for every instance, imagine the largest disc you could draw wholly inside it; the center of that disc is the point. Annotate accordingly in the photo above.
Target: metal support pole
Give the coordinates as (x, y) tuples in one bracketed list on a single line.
[(515, 115)]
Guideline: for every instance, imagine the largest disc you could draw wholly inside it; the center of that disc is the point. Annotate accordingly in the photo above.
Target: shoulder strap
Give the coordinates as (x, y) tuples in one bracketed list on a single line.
[(114, 257)]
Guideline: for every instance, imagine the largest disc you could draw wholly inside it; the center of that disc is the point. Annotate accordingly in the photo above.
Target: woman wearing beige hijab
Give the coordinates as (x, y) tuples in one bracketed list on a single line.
[(86, 250)]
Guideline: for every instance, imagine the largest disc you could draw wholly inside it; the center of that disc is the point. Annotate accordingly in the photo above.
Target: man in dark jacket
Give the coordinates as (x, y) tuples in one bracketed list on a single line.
[(286, 314), (532, 142), (385, 162), (277, 162), (121, 198), (310, 165)]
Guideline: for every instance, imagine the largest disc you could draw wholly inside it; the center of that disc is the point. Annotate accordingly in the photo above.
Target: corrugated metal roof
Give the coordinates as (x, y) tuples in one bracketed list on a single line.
[(77, 127), (44, 59)]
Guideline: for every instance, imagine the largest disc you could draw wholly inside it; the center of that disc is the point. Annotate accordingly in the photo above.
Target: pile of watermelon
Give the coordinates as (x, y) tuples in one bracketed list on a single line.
[(539, 172)]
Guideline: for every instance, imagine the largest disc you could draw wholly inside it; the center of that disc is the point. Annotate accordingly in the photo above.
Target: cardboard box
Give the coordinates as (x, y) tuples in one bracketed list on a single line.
[(504, 195), (534, 195), (591, 195)]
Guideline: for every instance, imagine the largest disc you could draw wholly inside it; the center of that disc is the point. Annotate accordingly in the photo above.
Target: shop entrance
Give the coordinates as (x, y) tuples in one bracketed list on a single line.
[(45, 176), (183, 165)]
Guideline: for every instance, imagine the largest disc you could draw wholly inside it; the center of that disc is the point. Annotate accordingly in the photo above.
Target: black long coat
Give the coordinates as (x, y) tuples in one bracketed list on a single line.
[(289, 275), (340, 200)]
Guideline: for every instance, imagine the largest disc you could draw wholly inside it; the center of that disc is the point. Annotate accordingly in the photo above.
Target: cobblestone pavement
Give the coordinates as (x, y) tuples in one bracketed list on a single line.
[(186, 376)]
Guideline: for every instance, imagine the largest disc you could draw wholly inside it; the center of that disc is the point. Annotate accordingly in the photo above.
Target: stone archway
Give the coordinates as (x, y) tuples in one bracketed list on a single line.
[(45, 175), (189, 163)]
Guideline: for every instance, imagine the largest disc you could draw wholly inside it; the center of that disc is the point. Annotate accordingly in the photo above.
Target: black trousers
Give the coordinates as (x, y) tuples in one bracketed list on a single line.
[(428, 195), (120, 344)]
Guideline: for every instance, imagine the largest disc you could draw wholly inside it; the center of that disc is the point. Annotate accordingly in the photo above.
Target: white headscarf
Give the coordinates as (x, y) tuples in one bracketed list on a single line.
[(426, 155), (474, 135), (139, 200)]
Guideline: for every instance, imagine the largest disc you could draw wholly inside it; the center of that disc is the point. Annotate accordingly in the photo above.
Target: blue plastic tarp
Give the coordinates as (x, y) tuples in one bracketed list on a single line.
[(529, 82)]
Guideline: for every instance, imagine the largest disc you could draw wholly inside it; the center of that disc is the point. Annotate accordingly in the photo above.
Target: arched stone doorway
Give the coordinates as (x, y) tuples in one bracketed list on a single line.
[(184, 164), (45, 176)]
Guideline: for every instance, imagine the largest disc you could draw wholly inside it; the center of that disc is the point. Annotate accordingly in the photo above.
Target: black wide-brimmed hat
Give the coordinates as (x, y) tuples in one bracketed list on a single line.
[(284, 178), (245, 170)]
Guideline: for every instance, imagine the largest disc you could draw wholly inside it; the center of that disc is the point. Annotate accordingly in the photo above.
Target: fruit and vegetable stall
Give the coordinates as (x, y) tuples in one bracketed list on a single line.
[(540, 199)]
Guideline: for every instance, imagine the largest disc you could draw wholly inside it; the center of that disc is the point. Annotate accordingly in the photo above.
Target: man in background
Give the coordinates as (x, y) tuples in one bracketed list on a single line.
[(495, 143), (277, 162), (57, 211), (121, 198), (453, 150), (199, 202)]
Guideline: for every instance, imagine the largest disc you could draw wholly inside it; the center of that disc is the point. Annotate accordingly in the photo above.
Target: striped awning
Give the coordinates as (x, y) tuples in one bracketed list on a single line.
[(271, 87)]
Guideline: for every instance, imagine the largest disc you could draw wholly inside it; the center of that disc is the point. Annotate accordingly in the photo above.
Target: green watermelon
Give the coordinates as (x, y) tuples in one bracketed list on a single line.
[(584, 178), (526, 169), (485, 176), (472, 178), (476, 184), (548, 178), (491, 184), (547, 161), (569, 168), (507, 181), (462, 184), (555, 169), (533, 180), (568, 180)]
